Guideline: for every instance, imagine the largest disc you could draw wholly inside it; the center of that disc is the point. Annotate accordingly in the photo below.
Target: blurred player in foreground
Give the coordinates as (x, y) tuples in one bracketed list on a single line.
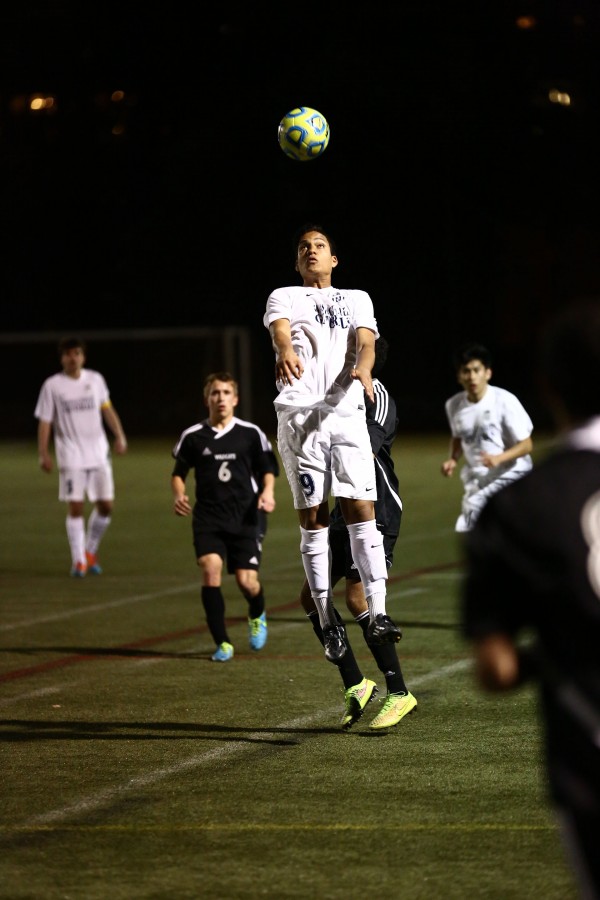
[(533, 568)]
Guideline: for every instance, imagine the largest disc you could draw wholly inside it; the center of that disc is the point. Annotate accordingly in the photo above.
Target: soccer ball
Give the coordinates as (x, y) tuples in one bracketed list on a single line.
[(303, 133)]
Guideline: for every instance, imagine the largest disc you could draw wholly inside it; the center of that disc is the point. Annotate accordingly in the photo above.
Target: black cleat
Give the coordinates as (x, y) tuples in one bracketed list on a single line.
[(334, 641), (383, 631)]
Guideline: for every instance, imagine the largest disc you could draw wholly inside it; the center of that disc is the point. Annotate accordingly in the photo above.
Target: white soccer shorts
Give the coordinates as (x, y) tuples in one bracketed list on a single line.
[(325, 453), (96, 484), (476, 496)]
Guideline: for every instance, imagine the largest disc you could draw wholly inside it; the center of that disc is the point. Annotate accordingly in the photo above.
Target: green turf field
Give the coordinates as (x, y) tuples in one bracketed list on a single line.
[(134, 767)]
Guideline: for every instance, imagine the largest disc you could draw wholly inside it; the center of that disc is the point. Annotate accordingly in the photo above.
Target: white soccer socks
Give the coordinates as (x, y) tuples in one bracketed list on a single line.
[(76, 537), (314, 547), (366, 543), (96, 527)]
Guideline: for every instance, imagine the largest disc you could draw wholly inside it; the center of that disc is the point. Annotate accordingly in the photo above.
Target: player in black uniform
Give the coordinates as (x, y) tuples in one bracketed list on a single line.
[(534, 568), (235, 470), (382, 423)]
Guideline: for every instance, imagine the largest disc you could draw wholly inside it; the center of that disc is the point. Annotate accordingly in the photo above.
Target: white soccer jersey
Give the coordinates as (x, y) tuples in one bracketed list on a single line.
[(73, 406), (496, 422), (323, 325)]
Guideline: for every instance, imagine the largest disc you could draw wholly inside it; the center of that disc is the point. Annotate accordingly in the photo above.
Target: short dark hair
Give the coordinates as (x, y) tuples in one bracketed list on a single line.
[(70, 343), (466, 353), (313, 226), (227, 377), (381, 353), (569, 357)]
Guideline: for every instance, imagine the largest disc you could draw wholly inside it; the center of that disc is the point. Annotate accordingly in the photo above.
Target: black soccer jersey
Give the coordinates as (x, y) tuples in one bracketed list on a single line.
[(229, 466), (534, 563)]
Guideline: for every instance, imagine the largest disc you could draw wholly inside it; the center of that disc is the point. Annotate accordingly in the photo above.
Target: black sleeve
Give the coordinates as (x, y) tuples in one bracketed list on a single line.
[(491, 591), (182, 465), (382, 420), (180, 469), (271, 464), (264, 457)]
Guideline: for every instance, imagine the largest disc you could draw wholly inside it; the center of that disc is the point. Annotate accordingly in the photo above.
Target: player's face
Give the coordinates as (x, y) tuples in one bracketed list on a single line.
[(473, 377), (221, 401), (72, 361), (314, 258)]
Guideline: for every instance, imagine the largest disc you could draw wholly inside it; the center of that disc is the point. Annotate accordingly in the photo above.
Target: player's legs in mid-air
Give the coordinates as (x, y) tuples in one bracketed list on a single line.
[(304, 449), (323, 452), (353, 483), (359, 690)]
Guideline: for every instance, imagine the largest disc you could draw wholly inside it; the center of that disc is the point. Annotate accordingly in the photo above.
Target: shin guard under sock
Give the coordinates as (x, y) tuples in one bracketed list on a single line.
[(214, 608), (256, 604), (349, 670), (386, 657)]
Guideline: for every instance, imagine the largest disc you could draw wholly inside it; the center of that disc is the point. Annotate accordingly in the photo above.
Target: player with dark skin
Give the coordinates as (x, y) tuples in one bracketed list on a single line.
[(310, 328), (382, 423), (315, 263)]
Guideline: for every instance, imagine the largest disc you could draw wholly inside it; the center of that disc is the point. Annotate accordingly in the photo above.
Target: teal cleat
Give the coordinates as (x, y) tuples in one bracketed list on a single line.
[(257, 632), (93, 566), (223, 653)]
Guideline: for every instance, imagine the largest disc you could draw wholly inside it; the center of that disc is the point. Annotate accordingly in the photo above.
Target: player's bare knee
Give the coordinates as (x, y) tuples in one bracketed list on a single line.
[(248, 581)]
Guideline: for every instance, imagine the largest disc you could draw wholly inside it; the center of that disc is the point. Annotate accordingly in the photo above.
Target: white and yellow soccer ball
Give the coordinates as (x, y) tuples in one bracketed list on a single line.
[(303, 133)]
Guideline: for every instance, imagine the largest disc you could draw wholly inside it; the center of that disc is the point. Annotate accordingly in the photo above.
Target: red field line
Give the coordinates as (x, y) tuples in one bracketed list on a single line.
[(123, 649)]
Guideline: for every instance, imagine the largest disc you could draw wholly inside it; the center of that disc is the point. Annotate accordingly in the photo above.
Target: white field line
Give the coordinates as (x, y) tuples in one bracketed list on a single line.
[(97, 607), (207, 646), (202, 647), (32, 695), (140, 598), (105, 798)]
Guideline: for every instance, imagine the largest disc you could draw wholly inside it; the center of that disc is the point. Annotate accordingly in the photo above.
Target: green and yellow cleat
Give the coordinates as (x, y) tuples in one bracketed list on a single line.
[(395, 707), (356, 698)]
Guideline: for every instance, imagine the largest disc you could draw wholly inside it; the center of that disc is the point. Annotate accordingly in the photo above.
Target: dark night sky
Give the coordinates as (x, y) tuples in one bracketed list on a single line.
[(462, 200)]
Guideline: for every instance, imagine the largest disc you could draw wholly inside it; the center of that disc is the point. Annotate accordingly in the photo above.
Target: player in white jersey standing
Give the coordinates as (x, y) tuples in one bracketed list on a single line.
[(324, 341), (490, 428), (74, 405)]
